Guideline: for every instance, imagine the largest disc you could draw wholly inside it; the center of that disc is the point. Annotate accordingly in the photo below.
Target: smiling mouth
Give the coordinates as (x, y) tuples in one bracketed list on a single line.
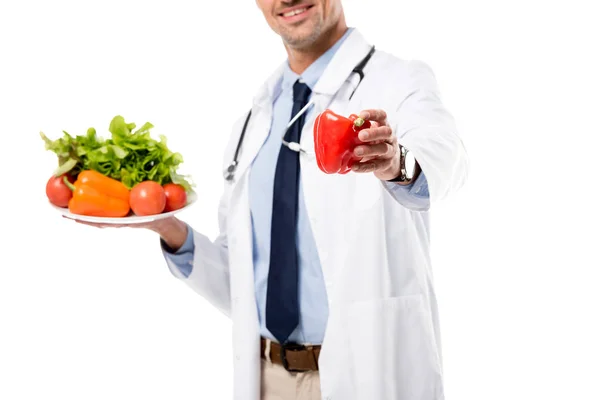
[(295, 12)]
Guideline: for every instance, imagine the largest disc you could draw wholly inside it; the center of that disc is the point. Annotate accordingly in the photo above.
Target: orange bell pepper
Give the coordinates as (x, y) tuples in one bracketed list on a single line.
[(98, 195)]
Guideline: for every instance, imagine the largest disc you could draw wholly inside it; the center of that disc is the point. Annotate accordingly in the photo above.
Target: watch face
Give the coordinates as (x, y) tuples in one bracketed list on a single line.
[(409, 164)]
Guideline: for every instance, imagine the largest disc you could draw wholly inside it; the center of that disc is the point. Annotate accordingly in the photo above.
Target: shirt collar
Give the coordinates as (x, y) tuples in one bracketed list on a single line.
[(312, 74)]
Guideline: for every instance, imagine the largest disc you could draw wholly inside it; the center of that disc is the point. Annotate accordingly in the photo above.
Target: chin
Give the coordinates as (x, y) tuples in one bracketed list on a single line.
[(301, 38)]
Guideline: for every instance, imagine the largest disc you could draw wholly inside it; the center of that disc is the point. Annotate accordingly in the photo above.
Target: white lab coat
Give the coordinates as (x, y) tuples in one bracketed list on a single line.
[(382, 340)]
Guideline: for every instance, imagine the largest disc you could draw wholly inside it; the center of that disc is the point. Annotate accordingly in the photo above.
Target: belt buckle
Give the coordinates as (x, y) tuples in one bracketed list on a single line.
[(284, 361)]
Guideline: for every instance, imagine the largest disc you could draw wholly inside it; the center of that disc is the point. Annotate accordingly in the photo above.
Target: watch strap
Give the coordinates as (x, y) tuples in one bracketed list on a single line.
[(402, 177)]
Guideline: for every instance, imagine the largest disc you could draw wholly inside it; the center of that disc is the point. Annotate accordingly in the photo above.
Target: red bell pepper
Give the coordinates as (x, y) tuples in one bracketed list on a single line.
[(335, 138)]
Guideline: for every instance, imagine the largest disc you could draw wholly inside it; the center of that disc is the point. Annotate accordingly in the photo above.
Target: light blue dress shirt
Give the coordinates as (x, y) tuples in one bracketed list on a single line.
[(312, 295)]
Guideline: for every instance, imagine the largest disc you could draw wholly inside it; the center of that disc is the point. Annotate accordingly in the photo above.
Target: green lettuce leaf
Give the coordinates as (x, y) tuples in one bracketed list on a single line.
[(129, 155)]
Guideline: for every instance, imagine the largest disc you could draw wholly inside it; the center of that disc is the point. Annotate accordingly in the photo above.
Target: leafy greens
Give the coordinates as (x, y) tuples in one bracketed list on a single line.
[(131, 156)]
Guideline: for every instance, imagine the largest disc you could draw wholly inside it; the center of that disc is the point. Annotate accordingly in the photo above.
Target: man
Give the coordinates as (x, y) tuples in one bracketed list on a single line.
[(334, 267)]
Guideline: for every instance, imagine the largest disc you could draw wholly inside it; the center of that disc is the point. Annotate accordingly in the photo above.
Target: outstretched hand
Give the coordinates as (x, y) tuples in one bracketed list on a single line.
[(172, 230), (380, 153)]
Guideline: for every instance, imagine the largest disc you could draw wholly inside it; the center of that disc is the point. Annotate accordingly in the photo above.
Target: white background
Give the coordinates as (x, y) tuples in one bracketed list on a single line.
[(95, 314)]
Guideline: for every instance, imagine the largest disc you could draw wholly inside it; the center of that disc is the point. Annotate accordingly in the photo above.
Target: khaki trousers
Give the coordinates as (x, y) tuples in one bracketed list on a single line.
[(279, 384)]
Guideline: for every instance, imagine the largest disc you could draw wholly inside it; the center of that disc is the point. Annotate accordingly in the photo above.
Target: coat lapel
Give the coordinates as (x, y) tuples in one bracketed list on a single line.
[(337, 75), (352, 51), (259, 125)]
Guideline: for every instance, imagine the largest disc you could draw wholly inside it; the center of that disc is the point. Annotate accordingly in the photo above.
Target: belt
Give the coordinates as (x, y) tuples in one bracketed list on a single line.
[(293, 357)]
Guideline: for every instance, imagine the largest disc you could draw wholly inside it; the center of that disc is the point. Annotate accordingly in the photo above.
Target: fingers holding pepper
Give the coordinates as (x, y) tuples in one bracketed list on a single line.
[(379, 153), (379, 139), (379, 142), (380, 149), (374, 115), (374, 165), (376, 133)]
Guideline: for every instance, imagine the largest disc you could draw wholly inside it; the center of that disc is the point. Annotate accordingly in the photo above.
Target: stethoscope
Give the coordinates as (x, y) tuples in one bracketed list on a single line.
[(230, 171)]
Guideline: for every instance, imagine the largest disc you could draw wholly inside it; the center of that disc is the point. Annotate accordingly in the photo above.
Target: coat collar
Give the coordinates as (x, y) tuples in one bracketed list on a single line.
[(352, 51), (354, 48)]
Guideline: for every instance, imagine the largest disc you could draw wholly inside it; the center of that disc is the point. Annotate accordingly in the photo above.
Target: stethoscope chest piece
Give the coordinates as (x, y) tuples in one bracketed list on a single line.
[(229, 172)]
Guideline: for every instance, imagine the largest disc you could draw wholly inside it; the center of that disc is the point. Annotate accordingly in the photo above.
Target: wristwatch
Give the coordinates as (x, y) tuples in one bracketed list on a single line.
[(407, 166)]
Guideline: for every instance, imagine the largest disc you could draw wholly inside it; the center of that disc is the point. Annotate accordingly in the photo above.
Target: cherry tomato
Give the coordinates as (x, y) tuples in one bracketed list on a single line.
[(176, 196), (57, 192), (147, 198)]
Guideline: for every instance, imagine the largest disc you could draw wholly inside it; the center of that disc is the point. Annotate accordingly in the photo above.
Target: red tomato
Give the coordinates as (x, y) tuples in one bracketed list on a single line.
[(147, 198), (57, 192), (176, 196)]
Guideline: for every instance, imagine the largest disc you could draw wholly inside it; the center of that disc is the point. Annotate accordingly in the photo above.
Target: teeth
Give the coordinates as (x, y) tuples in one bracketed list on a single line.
[(295, 12)]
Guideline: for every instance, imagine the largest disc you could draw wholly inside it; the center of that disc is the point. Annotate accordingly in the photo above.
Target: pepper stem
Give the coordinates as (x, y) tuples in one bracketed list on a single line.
[(358, 122), (69, 184)]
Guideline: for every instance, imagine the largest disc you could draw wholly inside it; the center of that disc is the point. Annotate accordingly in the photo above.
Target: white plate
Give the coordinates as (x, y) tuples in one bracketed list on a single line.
[(131, 219)]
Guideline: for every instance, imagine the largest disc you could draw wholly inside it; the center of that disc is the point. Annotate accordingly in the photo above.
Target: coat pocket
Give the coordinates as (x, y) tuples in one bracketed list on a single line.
[(393, 350)]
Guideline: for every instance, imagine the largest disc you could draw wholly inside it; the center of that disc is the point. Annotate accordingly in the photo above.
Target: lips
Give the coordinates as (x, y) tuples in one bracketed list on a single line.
[(293, 11)]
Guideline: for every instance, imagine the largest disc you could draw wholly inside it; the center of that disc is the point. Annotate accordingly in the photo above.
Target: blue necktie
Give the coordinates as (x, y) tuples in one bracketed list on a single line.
[(282, 312)]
